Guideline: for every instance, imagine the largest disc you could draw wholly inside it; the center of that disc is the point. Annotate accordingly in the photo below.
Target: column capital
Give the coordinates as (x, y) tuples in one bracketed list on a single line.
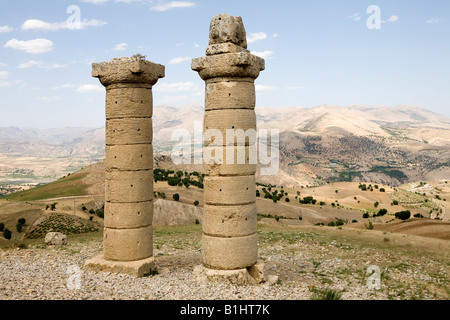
[(234, 65), (132, 70)]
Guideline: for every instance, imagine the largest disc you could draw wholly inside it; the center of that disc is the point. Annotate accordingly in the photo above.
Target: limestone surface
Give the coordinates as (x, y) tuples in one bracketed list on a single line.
[(229, 243), (128, 234)]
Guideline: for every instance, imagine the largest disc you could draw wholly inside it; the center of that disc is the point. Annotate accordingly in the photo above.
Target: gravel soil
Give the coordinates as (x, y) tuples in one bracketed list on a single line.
[(307, 262)]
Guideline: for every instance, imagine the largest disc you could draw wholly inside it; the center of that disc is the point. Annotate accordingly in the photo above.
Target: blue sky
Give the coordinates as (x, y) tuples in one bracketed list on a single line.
[(317, 52)]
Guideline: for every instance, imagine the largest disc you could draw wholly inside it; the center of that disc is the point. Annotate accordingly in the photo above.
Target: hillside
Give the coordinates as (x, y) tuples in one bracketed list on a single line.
[(388, 145)]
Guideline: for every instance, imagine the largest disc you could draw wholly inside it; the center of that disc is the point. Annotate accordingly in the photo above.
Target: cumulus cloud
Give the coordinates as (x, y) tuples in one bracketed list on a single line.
[(64, 86), (35, 46), (435, 20), (41, 65), (260, 87), (104, 1), (120, 47), (5, 29), (179, 60), (392, 18), (86, 88), (40, 25), (263, 54), (4, 74), (253, 37), (173, 5)]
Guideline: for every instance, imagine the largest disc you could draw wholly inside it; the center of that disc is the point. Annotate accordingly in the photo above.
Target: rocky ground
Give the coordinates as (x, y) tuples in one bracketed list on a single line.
[(308, 262)]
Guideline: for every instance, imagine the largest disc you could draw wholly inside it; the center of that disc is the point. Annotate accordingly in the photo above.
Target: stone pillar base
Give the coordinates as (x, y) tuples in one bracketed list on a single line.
[(249, 276), (133, 268)]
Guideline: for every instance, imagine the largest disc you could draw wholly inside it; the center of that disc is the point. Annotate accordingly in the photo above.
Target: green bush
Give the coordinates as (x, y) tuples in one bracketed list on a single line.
[(418, 215), (196, 203), (403, 215), (339, 223), (2, 226), (176, 197), (7, 234), (332, 224), (382, 212), (22, 221), (366, 216)]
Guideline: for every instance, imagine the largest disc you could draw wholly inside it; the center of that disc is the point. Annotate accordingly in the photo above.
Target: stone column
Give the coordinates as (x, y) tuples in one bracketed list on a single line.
[(128, 233), (229, 223)]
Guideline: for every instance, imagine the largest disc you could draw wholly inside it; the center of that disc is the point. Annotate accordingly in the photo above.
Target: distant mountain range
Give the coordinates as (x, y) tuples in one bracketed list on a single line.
[(327, 143)]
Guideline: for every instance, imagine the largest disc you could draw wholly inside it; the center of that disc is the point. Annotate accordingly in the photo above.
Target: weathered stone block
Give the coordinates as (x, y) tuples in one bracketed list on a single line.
[(234, 65), (226, 28), (230, 161), (230, 190), (128, 244), (129, 102), (239, 94), (129, 157), (129, 186), (229, 253), (128, 70), (129, 131), (239, 277), (229, 221), (128, 215), (237, 127), (133, 268)]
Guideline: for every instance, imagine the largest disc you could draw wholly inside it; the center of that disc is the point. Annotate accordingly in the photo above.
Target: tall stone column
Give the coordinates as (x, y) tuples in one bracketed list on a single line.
[(128, 233), (229, 223)]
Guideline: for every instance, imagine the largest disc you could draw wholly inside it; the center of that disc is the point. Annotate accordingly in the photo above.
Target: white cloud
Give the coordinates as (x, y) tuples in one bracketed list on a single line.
[(435, 20), (35, 46), (34, 24), (355, 17), (120, 47), (175, 87), (4, 74), (179, 60), (41, 65), (256, 36), (275, 35), (196, 45), (5, 83), (29, 64), (173, 5), (263, 54), (3, 64), (86, 88), (5, 29), (260, 87), (392, 18)]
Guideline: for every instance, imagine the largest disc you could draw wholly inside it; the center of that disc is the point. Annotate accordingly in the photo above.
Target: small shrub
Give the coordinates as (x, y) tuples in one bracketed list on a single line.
[(22, 221), (332, 224), (288, 200), (403, 215), (197, 221), (300, 218), (327, 294), (196, 203), (370, 226), (339, 223), (354, 221), (2, 226), (92, 211), (7, 234), (365, 215), (176, 197), (19, 227)]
